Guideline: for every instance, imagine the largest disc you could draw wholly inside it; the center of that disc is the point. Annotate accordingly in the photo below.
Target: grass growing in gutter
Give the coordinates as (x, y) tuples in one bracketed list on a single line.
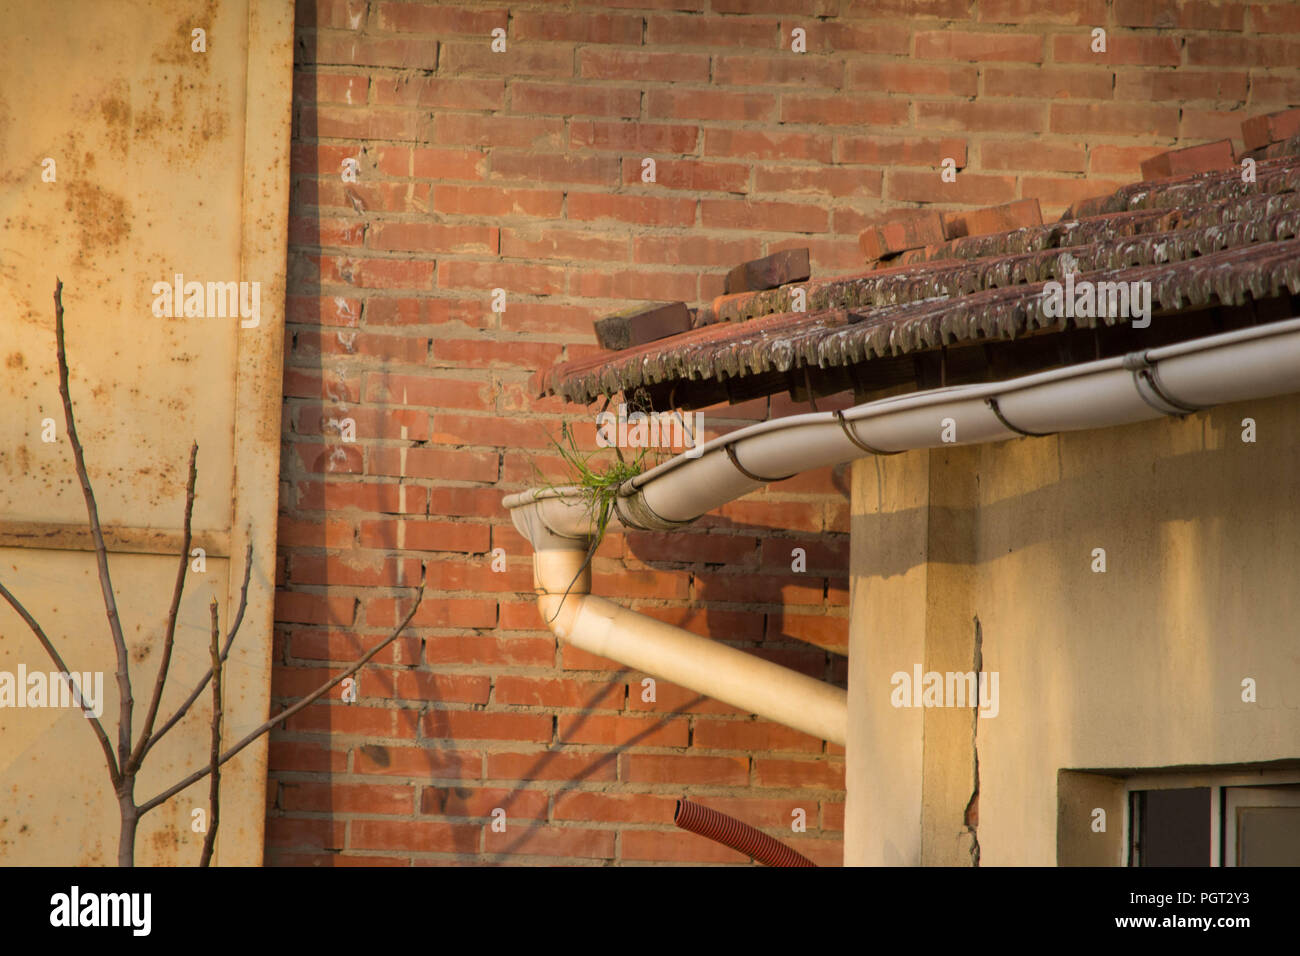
[(598, 481)]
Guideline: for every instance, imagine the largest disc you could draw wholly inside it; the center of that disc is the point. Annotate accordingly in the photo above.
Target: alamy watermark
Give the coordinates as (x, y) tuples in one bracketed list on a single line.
[(208, 300), (55, 689), (75, 908), (948, 689), (1086, 299), (650, 430)]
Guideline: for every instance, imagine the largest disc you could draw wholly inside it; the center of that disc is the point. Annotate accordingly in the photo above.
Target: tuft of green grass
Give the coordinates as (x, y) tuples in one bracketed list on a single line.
[(598, 480)]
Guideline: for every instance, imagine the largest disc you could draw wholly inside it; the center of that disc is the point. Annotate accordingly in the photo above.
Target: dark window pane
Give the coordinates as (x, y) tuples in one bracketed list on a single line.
[(1268, 836), (1175, 827)]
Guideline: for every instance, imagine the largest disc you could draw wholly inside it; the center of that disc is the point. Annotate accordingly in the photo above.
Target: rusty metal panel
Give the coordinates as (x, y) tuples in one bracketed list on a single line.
[(167, 160)]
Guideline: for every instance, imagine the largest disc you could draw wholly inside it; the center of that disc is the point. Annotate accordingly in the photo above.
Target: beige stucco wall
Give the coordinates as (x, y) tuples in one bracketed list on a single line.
[(1137, 667), (167, 160)]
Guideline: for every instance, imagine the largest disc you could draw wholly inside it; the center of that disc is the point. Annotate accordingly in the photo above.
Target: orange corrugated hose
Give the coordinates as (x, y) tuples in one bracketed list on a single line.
[(739, 836)]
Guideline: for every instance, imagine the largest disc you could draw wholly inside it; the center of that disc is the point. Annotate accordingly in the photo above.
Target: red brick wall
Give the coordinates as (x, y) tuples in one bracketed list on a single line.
[(521, 171)]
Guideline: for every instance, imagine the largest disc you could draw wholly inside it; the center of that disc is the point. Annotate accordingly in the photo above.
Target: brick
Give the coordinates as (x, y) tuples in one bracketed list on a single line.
[(554, 167), (622, 731), (692, 174), (423, 763), (904, 151), (523, 59), (415, 835), (346, 797), (1121, 50), (676, 846), (415, 535), (749, 32), (330, 88), (552, 765), (821, 630), (931, 79), (1016, 12), (495, 201), (985, 116), (645, 66), (567, 100), (656, 768), (757, 144), (821, 180), (843, 110), (322, 832), (641, 324), (614, 807), (522, 132), (750, 735), (342, 14), (1202, 125), (1190, 159), (1182, 85), (978, 47), (710, 104), (772, 271), (440, 92), (344, 719), (565, 244), (897, 235), (300, 608), (1003, 218), (769, 216), (1259, 131), (998, 155), (469, 724), (1180, 14), (1113, 118), (480, 802), (548, 841), (437, 463), (647, 210), (408, 53), (1051, 82), (798, 773), (1274, 18), (1119, 160), (588, 28), (691, 250), (549, 692), (345, 645), (401, 389), (434, 238), (653, 137), (418, 18)]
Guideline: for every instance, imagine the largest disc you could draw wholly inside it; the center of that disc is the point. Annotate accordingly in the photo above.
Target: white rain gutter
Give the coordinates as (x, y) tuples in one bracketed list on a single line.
[(1173, 380)]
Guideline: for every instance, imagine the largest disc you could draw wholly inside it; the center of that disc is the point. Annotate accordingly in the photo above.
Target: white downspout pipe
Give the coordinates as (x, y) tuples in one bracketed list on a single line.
[(1257, 362)]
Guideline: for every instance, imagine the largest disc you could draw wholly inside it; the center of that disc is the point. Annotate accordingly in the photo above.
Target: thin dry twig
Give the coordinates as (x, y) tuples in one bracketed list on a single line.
[(183, 709), (290, 711), (214, 764), (172, 613), (95, 724), (97, 533)]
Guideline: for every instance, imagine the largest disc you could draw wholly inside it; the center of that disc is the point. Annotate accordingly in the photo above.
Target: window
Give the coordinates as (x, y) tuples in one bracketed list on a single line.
[(1219, 820)]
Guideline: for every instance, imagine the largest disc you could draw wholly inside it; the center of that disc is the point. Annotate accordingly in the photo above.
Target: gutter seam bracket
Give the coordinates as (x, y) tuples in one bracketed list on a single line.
[(992, 403), (849, 434), (731, 454), (1144, 370)]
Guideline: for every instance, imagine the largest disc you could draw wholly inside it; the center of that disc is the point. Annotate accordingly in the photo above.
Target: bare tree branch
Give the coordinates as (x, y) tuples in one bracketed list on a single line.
[(214, 765), (290, 711), (95, 725), (97, 533), (225, 653), (169, 639)]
